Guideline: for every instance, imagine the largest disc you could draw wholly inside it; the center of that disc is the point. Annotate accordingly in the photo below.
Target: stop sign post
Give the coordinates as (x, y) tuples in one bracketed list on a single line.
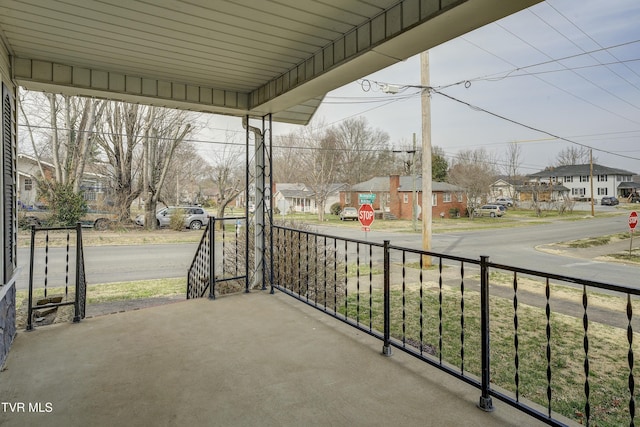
[(366, 216), (633, 221)]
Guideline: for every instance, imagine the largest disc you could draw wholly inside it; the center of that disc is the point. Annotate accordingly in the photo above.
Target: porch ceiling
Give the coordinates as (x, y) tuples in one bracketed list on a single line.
[(226, 56)]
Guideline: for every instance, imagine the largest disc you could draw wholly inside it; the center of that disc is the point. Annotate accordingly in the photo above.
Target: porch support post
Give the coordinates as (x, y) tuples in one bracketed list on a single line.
[(259, 213)]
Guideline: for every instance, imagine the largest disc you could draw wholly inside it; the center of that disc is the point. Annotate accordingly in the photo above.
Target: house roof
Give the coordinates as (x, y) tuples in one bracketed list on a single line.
[(509, 180), (301, 190), (381, 184), (579, 170), (299, 193), (436, 186), (629, 184), (376, 184)]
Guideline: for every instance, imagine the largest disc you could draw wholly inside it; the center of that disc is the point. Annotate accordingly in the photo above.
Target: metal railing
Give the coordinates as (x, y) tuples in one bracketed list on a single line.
[(74, 272), (555, 347), (221, 257)]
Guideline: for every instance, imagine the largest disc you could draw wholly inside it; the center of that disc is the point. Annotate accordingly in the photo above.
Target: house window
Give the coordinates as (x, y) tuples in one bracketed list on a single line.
[(584, 178), (568, 179), (405, 198), (577, 191), (459, 196), (602, 191), (434, 199), (347, 199), (602, 178), (28, 184), (446, 197)]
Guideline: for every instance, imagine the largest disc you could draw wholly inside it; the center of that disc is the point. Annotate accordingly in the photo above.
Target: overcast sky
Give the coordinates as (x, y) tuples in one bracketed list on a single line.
[(591, 98)]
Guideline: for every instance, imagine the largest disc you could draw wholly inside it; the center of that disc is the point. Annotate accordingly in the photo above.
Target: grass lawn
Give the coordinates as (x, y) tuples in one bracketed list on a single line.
[(416, 318)]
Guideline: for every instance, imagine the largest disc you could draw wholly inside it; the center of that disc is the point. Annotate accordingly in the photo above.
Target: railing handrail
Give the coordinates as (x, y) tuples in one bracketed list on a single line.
[(80, 283), (301, 281), (208, 238)]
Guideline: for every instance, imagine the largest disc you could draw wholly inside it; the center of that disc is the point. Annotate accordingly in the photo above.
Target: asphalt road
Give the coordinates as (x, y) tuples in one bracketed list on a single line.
[(107, 264), (511, 246), (517, 246)]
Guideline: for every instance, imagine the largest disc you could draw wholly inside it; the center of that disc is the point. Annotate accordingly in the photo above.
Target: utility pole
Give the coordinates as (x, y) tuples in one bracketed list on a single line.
[(414, 194), (593, 212), (426, 156)]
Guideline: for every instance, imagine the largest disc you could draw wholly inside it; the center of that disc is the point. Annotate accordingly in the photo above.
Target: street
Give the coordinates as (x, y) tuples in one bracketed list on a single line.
[(512, 246), (517, 246)]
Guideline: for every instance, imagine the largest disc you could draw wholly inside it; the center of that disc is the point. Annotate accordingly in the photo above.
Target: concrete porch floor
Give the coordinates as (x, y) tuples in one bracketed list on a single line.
[(242, 360)]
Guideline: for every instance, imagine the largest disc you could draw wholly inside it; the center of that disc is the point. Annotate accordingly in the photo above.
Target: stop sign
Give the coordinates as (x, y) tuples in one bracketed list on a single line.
[(366, 215), (633, 220)]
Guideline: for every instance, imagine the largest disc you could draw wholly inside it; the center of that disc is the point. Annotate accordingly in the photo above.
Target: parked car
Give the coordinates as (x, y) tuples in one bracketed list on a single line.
[(40, 216), (504, 201), (489, 210), (609, 201), (194, 217), (349, 213)]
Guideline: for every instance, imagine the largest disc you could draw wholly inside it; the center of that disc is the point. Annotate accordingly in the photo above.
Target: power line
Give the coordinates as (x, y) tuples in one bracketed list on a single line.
[(476, 108)]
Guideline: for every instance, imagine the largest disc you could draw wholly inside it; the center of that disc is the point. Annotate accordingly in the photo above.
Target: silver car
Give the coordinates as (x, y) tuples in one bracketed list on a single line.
[(194, 217), (489, 210)]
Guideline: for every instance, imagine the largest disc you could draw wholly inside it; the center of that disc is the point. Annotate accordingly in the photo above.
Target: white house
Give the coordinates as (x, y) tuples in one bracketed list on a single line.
[(577, 179), (93, 185), (298, 197)]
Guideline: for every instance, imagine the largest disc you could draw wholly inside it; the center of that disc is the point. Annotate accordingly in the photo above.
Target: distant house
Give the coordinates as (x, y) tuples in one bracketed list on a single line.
[(541, 192), (297, 197), (506, 187), (577, 180), (394, 196), (93, 185), (378, 186)]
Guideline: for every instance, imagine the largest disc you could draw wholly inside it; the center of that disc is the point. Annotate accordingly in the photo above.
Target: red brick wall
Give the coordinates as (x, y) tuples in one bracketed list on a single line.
[(403, 210)]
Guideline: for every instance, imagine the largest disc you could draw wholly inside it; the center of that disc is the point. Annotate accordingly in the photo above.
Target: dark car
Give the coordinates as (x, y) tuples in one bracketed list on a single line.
[(609, 201)]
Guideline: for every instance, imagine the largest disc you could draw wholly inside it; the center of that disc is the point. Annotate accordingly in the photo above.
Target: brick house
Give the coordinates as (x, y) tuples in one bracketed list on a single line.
[(394, 196)]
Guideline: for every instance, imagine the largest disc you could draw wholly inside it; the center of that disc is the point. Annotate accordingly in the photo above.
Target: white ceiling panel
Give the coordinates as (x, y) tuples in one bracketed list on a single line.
[(238, 56)]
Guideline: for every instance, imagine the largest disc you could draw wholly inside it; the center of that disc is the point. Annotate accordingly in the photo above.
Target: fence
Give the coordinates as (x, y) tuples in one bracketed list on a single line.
[(75, 294), (555, 347)]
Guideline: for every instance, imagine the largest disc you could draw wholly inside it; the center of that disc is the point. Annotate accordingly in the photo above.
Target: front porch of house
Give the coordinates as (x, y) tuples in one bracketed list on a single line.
[(244, 359)]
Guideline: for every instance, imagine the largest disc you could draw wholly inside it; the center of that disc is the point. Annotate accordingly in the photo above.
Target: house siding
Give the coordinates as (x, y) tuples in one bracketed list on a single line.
[(399, 203), (7, 208)]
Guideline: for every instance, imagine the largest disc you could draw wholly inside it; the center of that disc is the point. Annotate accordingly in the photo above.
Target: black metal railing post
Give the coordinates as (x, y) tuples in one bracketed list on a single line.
[(212, 258), (485, 403), (77, 316), (31, 262), (386, 347)]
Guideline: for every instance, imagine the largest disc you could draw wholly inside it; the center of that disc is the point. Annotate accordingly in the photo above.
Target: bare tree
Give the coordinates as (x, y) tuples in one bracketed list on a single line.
[(164, 131), (227, 174), (120, 138), (574, 155), (286, 152), (320, 161), (475, 171), (513, 160), (68, 141), (512, 163), (360, 147)]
